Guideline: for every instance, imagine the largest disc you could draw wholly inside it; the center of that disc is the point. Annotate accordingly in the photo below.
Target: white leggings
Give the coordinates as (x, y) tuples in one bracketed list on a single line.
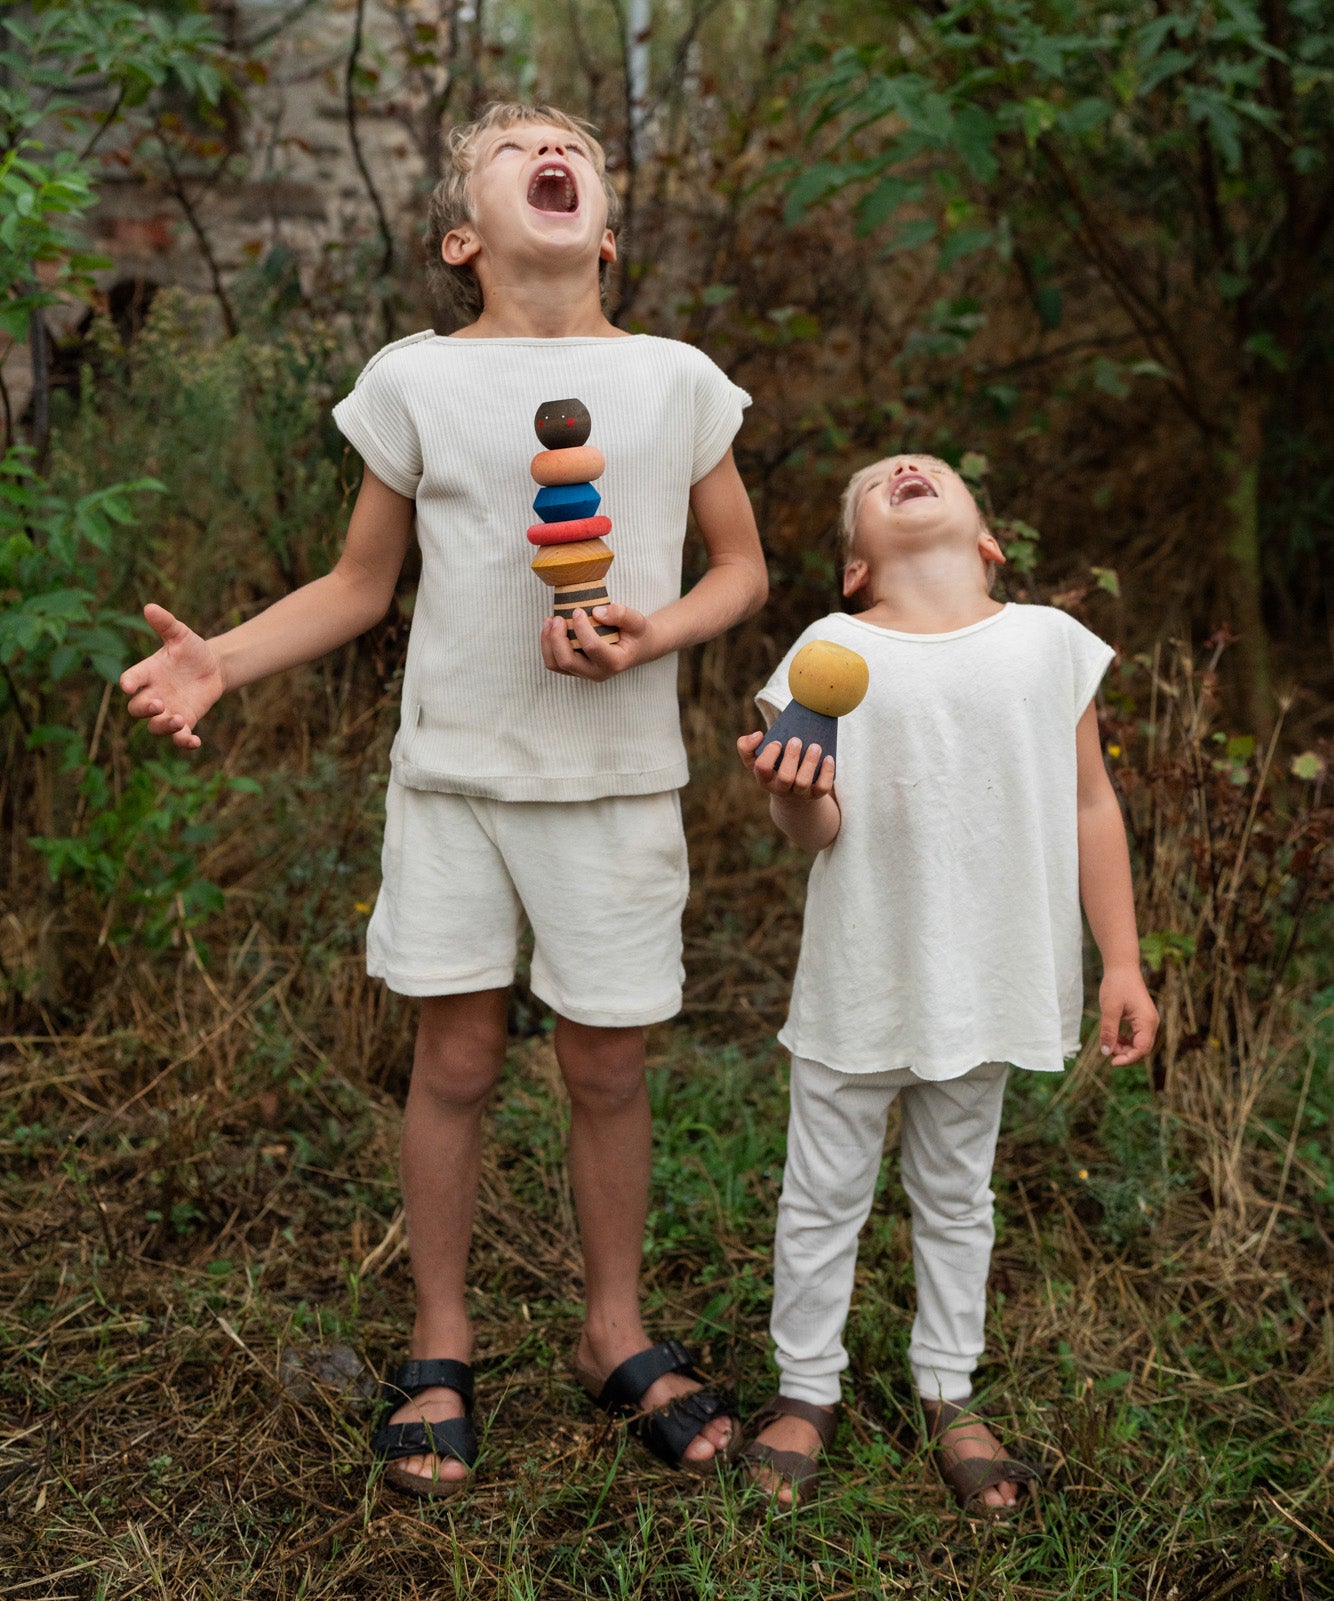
[(835, 1139)]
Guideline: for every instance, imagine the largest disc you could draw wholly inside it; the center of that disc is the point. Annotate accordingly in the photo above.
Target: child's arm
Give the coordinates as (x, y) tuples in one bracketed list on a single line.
[(735, 586), (174, 687), (1109, 903), (802, 805)]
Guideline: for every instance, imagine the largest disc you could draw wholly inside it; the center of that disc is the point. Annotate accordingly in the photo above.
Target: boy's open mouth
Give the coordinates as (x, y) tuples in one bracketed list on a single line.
[(912, 486), (553, 189)]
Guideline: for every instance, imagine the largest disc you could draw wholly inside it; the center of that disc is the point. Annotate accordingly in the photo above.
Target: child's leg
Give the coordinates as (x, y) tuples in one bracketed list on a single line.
[(947, 1152), (835, 1139), (610, 1164), (459, 1055)]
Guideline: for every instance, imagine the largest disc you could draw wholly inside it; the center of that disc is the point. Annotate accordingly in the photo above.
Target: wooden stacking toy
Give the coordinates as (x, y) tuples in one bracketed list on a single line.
[(827, 682), (572, 557)]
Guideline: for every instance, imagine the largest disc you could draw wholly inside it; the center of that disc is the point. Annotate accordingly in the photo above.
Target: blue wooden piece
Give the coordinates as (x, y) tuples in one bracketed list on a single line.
[(566, 503)]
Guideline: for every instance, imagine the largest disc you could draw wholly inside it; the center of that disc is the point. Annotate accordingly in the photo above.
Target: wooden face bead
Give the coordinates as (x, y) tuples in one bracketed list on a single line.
[(577, 464), (562, 423), (828, 678)]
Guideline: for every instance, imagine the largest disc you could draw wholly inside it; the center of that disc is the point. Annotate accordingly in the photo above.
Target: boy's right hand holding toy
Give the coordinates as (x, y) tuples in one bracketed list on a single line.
[(800, 789)]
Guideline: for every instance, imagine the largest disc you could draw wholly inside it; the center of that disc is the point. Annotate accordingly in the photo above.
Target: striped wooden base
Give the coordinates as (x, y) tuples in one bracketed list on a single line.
[(567, 596)]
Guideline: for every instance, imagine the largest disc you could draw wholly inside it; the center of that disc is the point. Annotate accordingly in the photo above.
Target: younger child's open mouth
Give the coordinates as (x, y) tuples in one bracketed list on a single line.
[(912, 486), (553, 189)]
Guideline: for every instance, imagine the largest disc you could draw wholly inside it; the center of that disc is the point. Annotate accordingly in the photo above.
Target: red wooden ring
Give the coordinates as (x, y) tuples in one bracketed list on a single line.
[(567, 533)]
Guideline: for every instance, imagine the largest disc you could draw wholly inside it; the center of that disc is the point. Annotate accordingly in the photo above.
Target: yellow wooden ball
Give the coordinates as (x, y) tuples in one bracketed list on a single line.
[(828, 678)]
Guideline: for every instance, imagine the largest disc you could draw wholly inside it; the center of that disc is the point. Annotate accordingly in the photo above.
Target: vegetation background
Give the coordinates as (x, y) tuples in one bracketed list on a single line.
[(1083, 251)]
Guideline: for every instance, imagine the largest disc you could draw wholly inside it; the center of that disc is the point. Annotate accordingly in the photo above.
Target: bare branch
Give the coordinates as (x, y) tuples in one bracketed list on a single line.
[(182, 197), (1145, 313), (354, 135), (103, 125)]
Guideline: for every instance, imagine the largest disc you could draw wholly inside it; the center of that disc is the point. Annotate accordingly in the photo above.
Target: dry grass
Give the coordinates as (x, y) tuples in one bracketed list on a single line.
[(205, 1260)]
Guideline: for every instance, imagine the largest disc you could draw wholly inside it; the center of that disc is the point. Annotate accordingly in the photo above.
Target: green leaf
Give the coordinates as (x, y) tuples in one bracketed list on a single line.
[(1049, 305), (963, 242), (1268, 349), (1165, 66), (1084, 117), (815, 184), (1036, 117), (974, 137), (64, 658), (880, 203), (1308, 766), (108, 668), (912, 236), (1109, 377), (1165, 946)]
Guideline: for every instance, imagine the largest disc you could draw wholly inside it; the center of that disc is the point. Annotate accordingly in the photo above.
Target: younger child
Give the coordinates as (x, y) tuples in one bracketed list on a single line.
[(970, 815), (529, 780)]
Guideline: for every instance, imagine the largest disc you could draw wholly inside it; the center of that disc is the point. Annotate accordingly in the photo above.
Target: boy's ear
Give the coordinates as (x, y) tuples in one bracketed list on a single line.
[(855, 574), (607, 249), (989, 548), (459, 246)]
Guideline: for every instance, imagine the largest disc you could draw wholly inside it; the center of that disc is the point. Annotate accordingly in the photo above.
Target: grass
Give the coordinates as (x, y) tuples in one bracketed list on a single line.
[(187, 1241), (203, 1261)]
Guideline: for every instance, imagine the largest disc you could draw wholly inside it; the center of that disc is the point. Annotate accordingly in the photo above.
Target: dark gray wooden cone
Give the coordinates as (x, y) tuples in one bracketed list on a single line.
[(812, 728)]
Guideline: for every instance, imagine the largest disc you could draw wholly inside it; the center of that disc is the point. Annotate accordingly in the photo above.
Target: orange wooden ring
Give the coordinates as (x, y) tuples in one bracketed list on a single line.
[(575, 464), (566, 533)]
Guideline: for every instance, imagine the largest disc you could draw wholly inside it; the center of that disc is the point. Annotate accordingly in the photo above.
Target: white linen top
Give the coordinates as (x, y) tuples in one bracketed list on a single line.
[(942, 926), (449, 422)]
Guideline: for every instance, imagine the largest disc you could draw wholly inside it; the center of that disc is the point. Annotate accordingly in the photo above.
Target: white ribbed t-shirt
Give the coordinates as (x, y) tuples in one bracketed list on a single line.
[(449, 422), (943, 926)]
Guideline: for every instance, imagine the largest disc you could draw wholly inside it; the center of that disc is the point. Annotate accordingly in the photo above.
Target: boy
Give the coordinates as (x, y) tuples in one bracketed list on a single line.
[(529, 779), (942, 943)]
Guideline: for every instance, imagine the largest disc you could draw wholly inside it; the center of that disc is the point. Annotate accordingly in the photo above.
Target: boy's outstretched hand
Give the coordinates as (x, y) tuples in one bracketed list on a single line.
[(784, 770), (1123, 998), (177, 684)]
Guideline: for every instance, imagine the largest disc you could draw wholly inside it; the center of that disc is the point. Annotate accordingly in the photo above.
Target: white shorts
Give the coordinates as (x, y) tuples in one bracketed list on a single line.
[(602, 883)]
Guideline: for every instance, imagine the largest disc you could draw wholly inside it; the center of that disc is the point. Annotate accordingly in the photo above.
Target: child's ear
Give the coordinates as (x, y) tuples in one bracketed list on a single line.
[(607, 249), (459, 246), (989, 548), (855, 574)]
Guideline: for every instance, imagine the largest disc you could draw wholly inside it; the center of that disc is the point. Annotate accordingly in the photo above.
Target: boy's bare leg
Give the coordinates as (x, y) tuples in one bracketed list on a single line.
[(610, 1160), (459, 1055)]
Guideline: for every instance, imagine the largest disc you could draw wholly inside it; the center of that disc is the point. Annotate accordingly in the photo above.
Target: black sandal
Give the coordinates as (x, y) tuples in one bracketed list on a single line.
[(454, 1437), (969, 1476), (794, 1468), (667, 1430)]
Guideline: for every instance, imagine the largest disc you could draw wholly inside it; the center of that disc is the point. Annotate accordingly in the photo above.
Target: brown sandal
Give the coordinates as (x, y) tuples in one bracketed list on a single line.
[(795, 1468), (968, 1477)]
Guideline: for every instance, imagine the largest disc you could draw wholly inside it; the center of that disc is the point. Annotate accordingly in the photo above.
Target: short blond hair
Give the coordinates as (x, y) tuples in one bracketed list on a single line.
[(458, 288), (850, 505)]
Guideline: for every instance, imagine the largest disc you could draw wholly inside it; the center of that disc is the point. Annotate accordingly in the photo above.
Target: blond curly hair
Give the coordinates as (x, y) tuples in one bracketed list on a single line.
[(458, 289)]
